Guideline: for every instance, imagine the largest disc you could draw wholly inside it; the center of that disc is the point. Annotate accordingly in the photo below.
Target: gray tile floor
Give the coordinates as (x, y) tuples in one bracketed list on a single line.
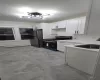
[(30, 63)]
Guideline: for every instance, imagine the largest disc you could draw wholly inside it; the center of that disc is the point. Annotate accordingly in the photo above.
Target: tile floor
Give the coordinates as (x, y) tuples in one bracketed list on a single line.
[(30, 63)]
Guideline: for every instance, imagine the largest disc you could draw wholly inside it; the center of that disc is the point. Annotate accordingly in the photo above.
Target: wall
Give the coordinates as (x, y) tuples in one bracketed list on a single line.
[(46, 30), (93, 19), (61, 24), (16, 26)]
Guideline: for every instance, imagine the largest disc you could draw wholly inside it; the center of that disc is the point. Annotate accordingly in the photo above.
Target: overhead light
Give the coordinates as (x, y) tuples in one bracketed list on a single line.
[(26, 12), (34, 15)]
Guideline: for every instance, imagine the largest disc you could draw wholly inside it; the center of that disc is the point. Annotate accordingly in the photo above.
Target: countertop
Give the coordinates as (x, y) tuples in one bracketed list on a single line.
[(73, 46), (83, 41)]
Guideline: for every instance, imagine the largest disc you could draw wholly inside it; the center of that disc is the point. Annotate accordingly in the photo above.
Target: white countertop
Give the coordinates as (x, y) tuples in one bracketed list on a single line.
[(97, 50), (83, 41)]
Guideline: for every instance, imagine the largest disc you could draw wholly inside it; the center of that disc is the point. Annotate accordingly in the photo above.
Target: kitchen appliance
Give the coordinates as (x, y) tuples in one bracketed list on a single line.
[(52, 43), (37, 40)]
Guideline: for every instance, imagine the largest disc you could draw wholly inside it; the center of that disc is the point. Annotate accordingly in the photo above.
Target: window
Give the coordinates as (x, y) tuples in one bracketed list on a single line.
[(6, 34), (26, 33)]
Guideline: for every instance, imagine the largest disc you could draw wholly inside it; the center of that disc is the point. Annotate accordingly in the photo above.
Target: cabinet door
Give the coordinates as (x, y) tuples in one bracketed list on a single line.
[(72, 25), (53, 25), (81, 26), (60, 45), (62, 24)]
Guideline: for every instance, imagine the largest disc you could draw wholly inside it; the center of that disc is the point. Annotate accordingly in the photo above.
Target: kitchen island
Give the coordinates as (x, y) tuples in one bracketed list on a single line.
[(82, 59)]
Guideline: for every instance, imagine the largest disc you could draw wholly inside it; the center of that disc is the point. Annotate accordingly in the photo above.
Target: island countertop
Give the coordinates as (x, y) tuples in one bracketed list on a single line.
[(83, 41), (74, 46)]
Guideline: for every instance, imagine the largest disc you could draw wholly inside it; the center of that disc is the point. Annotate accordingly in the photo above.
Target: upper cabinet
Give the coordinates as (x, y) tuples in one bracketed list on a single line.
[(53, 25), (62, 24), (81, 26), (53, 28), (59, 25), (72, 25), (76, 26), (68, 27)]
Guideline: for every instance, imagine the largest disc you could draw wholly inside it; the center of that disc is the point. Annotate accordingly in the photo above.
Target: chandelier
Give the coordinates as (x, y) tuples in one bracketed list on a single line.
[(35, 15)]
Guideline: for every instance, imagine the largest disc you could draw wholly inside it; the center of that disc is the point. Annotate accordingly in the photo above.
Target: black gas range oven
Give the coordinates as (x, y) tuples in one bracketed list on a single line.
[(52, 43)]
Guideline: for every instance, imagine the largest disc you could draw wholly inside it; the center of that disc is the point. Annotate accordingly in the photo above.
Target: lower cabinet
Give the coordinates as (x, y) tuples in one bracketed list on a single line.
[(60, 45)]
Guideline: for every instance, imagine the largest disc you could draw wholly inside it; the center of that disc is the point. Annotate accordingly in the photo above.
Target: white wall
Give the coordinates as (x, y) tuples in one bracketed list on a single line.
[(93, 26), (16, 26), (46, 30)]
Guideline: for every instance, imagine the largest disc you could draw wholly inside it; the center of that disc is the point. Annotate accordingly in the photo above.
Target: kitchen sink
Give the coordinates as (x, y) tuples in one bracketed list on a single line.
[(89, 46)]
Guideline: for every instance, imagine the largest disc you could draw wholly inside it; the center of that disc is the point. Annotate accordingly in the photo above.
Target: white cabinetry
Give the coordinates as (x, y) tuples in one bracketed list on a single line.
[(62, 24), (53, 28), (76, 26), (81, 26), (82, 59), (53, 25), (61, 43), (59, 25), (58, 28), (72, 25), (69, 27)]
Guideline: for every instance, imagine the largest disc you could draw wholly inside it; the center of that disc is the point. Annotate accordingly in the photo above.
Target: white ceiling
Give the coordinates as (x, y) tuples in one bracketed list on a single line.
[(64, 8)]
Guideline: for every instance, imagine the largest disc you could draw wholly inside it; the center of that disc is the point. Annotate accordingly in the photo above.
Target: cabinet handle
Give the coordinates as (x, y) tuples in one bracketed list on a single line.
[(76, 32)]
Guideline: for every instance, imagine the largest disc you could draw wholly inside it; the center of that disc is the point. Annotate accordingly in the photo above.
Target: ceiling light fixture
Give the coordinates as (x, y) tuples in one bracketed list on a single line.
[(51, 12), (27, 12), (34, 15)]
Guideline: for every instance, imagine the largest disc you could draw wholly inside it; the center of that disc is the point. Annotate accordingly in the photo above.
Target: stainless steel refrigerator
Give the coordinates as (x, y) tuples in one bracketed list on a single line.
[(37, 40)]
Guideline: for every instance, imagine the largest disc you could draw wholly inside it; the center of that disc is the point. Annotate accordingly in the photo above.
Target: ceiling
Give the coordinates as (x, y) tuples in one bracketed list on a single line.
[(63, 8)]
